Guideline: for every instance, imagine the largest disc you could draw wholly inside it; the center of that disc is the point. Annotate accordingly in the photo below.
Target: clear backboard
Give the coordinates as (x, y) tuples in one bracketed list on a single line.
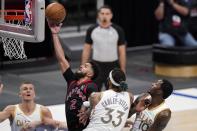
[(23, 19)]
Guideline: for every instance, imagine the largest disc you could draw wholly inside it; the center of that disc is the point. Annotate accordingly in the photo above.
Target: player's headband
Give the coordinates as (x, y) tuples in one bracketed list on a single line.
[(112, 80)]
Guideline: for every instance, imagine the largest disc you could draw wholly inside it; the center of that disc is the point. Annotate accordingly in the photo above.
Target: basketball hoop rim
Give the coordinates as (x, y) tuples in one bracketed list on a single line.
[(19, 15)]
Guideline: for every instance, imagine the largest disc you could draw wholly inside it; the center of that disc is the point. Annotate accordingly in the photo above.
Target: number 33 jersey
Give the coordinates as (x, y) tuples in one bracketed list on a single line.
[(111, 113)]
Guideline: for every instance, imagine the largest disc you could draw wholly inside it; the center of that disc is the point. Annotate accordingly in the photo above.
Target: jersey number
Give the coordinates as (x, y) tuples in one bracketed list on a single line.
[(143, 126), (73, 104), (109, 119)]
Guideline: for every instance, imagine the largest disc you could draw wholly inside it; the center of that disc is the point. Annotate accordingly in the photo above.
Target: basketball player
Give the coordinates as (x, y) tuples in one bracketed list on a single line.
[(80, 84), (157, 115), (27, 115), (110, 109)]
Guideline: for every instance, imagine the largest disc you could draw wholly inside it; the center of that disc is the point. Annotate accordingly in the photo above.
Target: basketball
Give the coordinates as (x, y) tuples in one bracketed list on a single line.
[(55, 13)]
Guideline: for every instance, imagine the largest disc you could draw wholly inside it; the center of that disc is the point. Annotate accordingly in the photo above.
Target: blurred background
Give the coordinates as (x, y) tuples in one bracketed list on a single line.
[(137, 19)]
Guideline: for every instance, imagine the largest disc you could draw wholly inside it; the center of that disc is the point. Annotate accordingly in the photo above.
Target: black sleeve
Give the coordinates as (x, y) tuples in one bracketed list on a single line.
[(155, 4), (121, 35), (88, 38), (69, 75), (91, 87)]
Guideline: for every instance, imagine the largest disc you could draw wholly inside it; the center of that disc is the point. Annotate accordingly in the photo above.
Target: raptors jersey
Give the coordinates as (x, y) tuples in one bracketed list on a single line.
[(20, 118), (146, 118), (111, 113)]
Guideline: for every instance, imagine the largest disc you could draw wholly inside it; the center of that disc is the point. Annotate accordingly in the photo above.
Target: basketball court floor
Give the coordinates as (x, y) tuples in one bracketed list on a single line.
[(50, 85)]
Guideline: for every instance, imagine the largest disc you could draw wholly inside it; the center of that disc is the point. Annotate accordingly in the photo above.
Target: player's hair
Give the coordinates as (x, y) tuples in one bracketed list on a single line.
[(105, 7), (167, 88), (26, 82), (118, 79), (96, 69)]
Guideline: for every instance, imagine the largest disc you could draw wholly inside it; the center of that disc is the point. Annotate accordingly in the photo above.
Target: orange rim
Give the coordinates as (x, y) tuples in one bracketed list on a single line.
[(10, 15)]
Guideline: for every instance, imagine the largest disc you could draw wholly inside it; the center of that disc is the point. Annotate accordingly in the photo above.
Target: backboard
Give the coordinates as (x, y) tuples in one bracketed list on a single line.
[(23, 19)]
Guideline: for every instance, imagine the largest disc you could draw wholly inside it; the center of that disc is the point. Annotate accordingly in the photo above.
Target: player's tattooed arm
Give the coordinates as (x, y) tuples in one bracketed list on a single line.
[(88, 106)]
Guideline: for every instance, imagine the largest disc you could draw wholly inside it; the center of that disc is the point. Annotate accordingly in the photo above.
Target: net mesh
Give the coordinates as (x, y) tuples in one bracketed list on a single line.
[(13, 47)]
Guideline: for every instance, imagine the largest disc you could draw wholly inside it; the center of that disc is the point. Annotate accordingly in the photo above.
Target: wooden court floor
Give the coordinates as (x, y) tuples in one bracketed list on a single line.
[(181, 121)]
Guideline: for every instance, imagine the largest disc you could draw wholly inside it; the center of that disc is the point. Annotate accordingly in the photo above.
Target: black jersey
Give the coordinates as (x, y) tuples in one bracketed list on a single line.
[(75, 96), (175, 23)]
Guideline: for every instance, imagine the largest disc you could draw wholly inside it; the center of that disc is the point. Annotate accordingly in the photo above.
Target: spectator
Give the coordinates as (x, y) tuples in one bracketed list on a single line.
[(174, 16), (193, 19)]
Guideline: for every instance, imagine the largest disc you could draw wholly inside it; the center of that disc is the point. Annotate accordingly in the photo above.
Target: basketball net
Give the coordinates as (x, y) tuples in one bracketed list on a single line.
[(13, 47)]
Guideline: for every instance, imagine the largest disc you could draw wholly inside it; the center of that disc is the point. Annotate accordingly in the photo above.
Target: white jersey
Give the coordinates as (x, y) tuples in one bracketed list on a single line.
[(146, 118), (20, 118), (111, 113)]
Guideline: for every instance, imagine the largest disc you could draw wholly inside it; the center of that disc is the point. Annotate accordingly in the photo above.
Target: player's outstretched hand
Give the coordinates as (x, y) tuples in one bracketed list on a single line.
[(55, 29), (142, 102)]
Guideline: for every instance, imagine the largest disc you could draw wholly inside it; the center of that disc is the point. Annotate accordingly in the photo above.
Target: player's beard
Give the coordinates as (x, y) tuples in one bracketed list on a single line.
[(79, 74)]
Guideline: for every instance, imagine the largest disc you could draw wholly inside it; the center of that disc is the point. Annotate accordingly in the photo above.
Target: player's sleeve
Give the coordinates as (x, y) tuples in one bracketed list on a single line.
[(69, 76)]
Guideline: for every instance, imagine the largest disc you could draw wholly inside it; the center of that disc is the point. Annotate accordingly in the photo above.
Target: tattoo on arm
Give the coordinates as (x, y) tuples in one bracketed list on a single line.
[(161, 120)]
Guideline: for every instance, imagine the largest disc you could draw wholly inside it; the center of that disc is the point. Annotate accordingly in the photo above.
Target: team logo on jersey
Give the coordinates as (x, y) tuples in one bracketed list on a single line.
[(21, 120)]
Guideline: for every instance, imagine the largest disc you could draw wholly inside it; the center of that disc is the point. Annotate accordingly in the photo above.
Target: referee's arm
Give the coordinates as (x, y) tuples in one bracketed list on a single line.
[(122, 57), (86, 53)]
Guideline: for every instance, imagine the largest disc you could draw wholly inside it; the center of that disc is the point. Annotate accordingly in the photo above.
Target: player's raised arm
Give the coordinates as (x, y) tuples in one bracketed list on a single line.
[(64, 64), (55, 14)]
